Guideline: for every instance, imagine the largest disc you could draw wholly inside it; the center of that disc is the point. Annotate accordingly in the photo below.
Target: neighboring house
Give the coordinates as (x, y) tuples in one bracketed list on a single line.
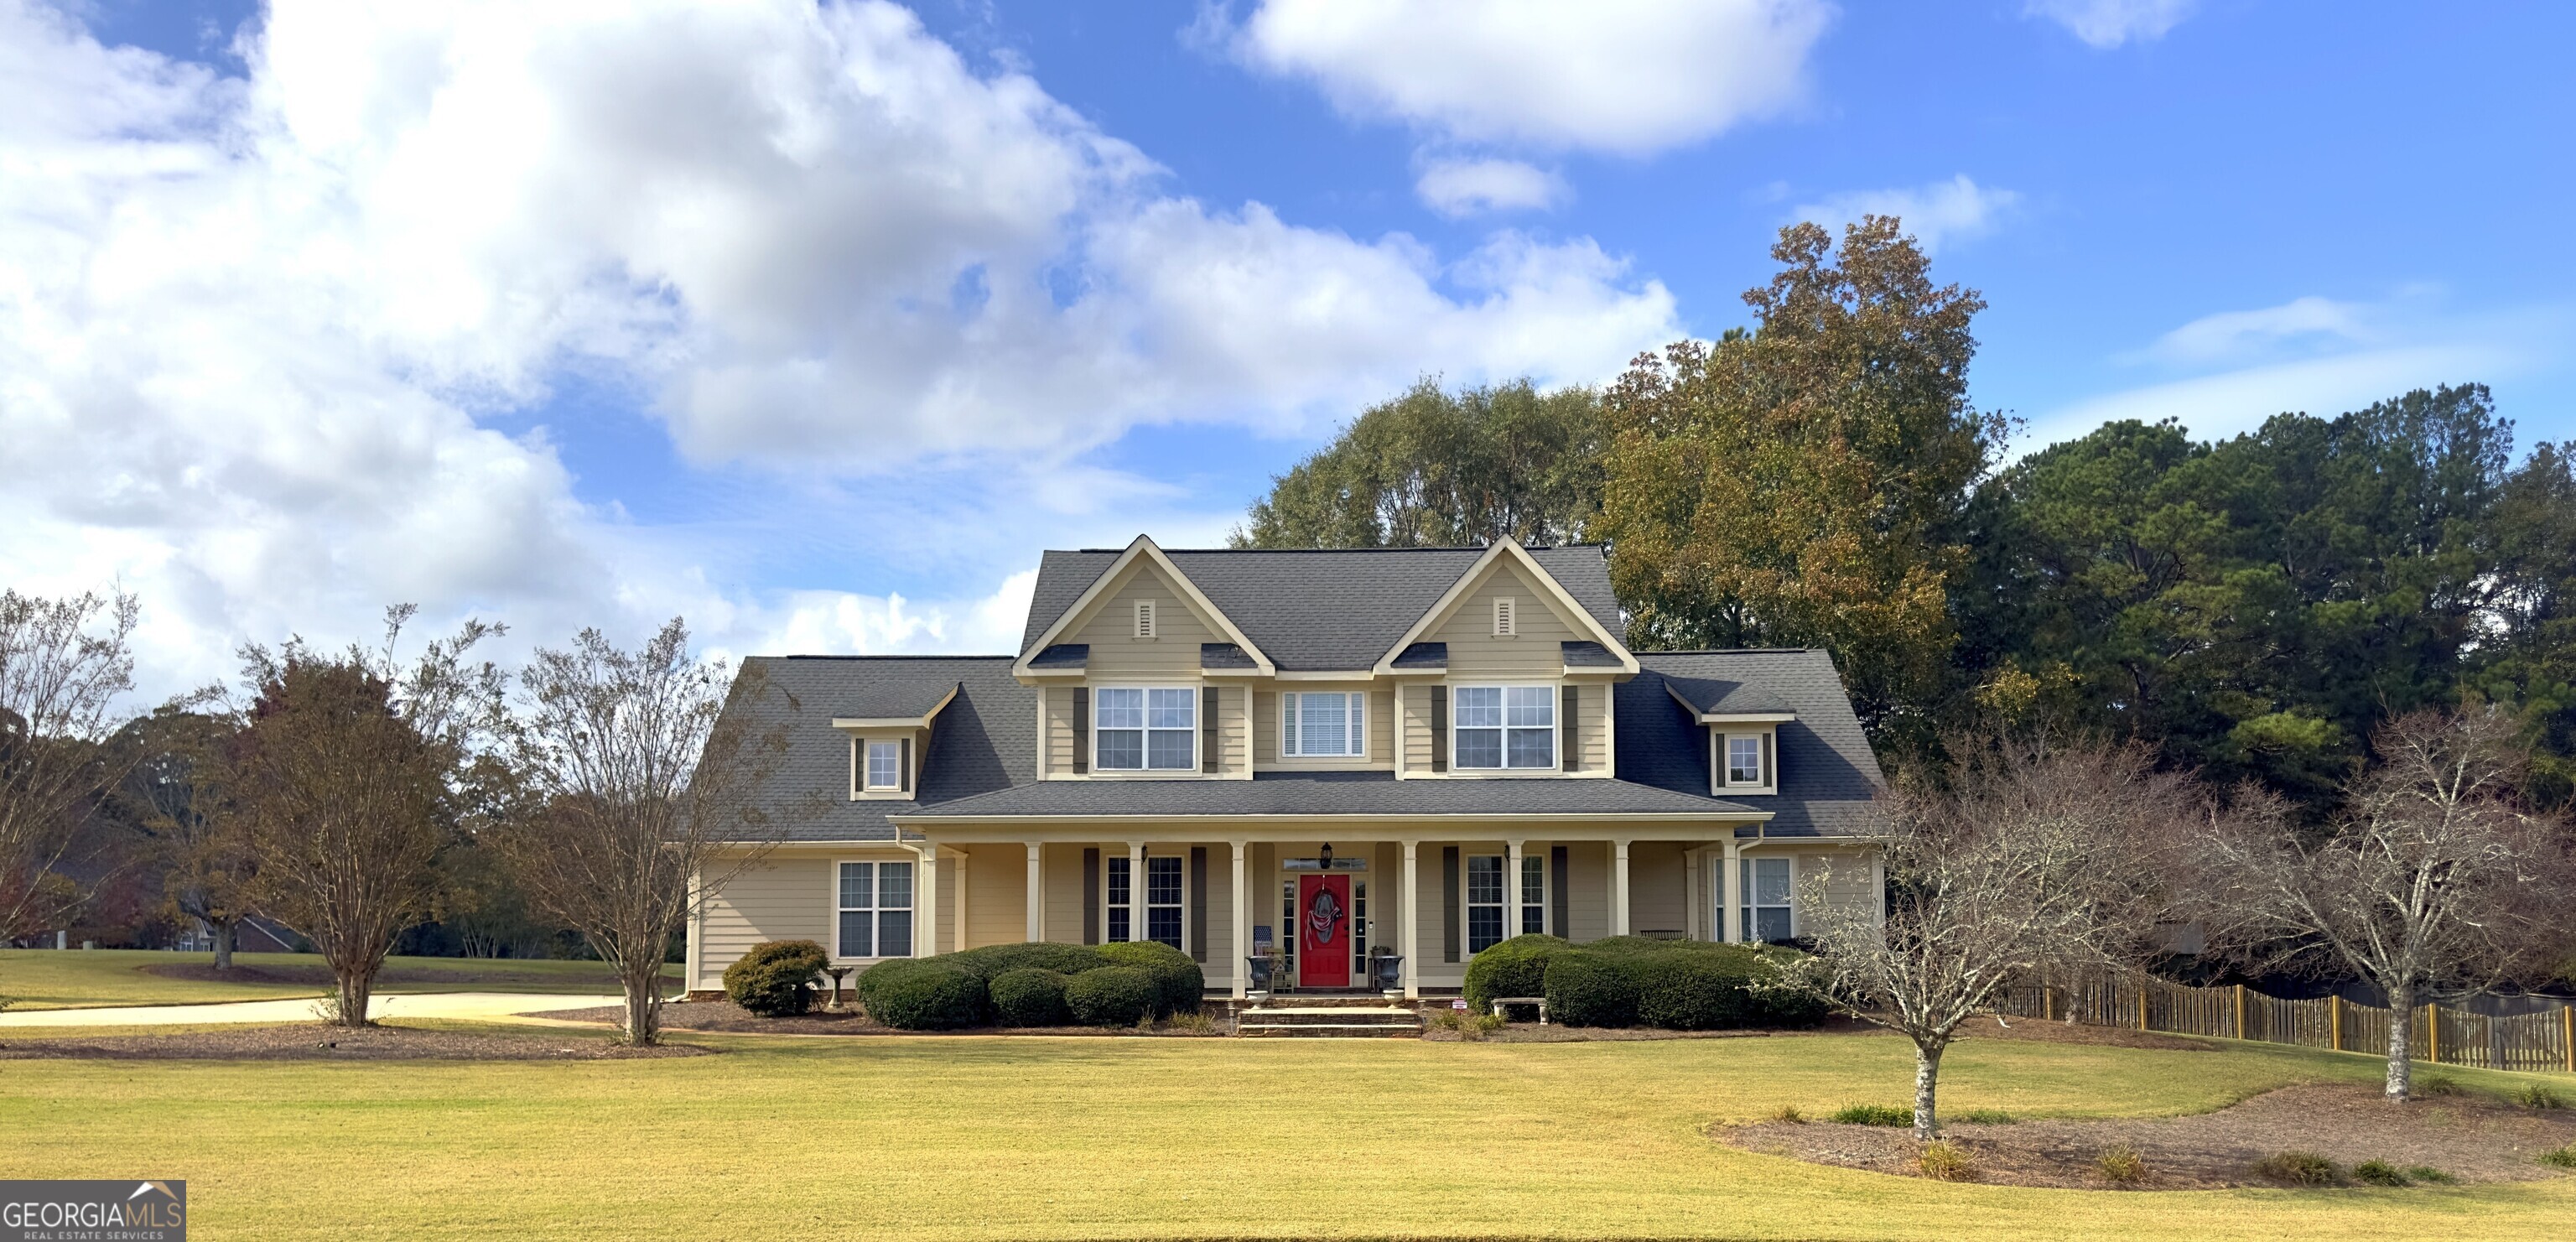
[(1343, 753)]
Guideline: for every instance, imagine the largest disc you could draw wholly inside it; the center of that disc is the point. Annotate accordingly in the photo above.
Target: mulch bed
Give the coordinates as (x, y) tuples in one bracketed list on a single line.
[(2472, 1137), (724, 1015), (498, 972), (315, 1042)]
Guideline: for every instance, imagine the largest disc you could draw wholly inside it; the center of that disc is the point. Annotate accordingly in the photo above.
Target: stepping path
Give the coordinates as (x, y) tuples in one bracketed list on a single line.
[(305, 1009)]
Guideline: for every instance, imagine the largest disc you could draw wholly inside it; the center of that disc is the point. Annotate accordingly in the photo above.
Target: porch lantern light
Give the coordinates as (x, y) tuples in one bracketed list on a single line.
[(1325, 861)]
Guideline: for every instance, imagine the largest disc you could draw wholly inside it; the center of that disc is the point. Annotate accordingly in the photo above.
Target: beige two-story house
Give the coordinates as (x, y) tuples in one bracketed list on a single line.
[(1376, 762)]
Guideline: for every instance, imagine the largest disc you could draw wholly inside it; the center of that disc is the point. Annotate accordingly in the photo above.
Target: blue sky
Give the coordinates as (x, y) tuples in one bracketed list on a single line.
[(541, 324)]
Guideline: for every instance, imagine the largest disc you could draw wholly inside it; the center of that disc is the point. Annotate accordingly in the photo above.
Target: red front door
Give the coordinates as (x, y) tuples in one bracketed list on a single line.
[(1323, 931)]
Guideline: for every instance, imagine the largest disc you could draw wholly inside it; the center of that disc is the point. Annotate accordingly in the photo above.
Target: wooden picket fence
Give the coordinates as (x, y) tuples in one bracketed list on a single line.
[(2452, 1036)]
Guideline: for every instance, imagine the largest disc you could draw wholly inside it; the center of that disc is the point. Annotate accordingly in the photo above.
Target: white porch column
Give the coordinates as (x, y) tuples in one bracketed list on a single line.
[(1037, 893), (1135, 891), (1619, 888), (1241, 969), (1730, 886), (925, 900), (958, 920), (1411, 932), (1511, 889), (1694, 861)]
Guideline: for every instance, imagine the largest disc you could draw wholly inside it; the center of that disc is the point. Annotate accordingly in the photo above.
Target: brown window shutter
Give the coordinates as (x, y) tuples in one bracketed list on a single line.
[(1090, 893), (903, 781), (1569, 744), (1082, 735), (1440, 733), (1198, 900), (1207, 729), (1560, 918), (1450, 915)]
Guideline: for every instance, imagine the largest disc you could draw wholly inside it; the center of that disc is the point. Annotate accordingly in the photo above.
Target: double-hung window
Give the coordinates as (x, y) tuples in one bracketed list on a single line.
[(876, 909), (1163, 901), (885, 765), (1484, 901), (1748, 758), (1766, 898), (1121, 906), (1505, 727), (1533, 894), (1145, 729), (1324, 724)]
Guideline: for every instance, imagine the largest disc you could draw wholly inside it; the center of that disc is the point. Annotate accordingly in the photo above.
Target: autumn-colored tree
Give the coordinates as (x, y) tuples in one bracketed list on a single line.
[(1443, 469), (178, 796), (1799, 484), (352, 773), (643, 797)]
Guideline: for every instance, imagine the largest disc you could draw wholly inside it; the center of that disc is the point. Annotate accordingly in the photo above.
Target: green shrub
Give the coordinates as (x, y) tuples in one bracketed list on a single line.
[(1874, 1115), (2560, 1157), (923, 994), (1590, 989), (1695, 989), (2378, 1173), (771, 979), (1516, 967), (995, 960), (1788, 1113), (2538, 1095), (2299, 1168), (1111, 996), (1029, 996), (1178, 982)]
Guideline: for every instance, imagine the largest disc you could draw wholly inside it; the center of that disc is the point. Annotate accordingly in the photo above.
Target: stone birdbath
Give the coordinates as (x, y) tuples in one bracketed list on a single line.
[(838, 973)]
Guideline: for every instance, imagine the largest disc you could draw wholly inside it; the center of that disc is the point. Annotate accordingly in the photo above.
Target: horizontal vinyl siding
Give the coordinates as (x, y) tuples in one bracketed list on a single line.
[(1587, 865), (1059, 729), (1417, 727), (1064, 893), (997, 894), (1656, 899), (780, 898), (1265, 726), (1534, 653), (1593, 726), (1234, 729), (1116, 652)]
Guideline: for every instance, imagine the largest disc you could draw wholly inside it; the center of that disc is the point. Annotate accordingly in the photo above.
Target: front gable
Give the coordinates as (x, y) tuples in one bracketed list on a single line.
[(1508, 617), (1141, 617)]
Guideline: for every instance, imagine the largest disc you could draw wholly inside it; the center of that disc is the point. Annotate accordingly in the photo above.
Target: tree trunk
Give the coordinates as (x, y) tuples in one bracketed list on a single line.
[(351, 1001), (644, 1006), (1927, 1080), (223, 929), (2401, 1041)]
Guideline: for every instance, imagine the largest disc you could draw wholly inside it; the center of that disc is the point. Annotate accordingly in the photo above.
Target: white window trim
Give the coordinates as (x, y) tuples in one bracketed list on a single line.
[(1107, 862), (1359, 727), (1138, 908), (833, 878), (867, 765), (1198, 705), (1747, 908), (1720, 771), (1142, 896), (1467, 905), (1543, 859), (1555, 729)]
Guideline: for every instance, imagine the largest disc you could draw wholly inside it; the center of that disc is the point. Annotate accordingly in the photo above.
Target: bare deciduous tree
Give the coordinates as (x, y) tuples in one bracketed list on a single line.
[(2029, 858), (2434, 879), (179, 795), (644, 797), (353, 771), (63, 663)]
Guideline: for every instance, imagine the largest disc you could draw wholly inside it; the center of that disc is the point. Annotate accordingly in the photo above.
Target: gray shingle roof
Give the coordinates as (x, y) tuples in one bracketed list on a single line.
[(1423, 655), (986, 739), (1828, 774), (1323, 609), (888, 700), (1711, 694), (1223, 655), (1588, 655), (1063, 655), (1331, 793)]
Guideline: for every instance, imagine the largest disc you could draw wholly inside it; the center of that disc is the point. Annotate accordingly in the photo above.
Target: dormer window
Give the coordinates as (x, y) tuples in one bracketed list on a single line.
[(883, 764), (1505, 727), (1145, 729), (1744, 761), (1507, 622), (1144, 618)]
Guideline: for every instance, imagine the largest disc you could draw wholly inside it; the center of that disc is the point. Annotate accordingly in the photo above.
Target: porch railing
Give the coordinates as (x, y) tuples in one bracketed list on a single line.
[(2545, 1040)]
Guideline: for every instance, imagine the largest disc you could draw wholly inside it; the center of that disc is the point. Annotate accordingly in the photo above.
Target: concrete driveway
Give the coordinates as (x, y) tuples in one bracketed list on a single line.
[(415, 1005)]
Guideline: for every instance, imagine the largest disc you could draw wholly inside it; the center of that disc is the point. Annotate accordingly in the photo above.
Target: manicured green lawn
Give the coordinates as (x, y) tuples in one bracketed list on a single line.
[(78, 978), (1123, 1138)]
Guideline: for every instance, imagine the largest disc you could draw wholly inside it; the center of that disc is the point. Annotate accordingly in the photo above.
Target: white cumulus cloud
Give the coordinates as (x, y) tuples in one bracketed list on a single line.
[(2110, 23), (2233, 335), (1627, 76), (1456, 188), (1956, 209), (261, 335)]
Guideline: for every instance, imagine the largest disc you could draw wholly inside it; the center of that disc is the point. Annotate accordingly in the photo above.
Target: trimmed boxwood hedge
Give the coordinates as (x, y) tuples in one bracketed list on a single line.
[(1590, 989), (995, 960), (1029, 996), (1516, 967), (923, 994), (1178, 982), (1110, 996), (771, 979), (1632, 981)]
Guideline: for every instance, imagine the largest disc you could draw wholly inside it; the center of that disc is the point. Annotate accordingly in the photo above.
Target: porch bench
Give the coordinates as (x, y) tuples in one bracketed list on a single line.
[(1539, 1001)]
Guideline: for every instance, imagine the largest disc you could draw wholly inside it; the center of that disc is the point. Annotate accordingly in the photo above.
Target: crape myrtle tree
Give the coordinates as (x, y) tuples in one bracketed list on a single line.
[(2021, 857), (352, 772), (2434, 878), (63, 664), (1802, 483), (179, 798), (641, 796)]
